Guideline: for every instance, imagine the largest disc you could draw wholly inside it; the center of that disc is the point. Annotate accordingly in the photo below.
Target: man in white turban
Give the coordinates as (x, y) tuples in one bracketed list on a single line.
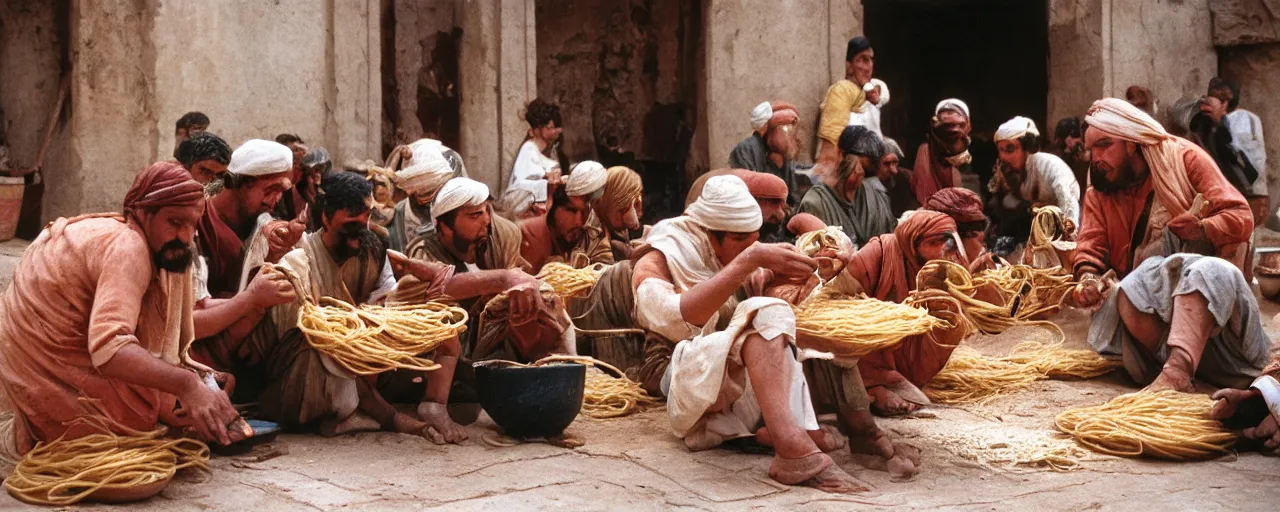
[(772, 147), (1025, 178), (562, 234), (733, 371), (428, 168), (944, 152)]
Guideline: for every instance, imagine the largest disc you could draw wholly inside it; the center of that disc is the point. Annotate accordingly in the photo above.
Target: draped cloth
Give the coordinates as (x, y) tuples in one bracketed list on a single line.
[(223, 251), (753, 154), (709, 397), (71, 307), (842, 99), (538, 245), (408, 222), (1164, 153)]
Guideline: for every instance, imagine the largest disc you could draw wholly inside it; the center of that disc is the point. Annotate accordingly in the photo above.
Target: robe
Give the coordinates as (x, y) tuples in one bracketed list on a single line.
[(752, 154), (409, 222), (842, 99), (869, 214), (223, 251), (931, 175), (538, 246)]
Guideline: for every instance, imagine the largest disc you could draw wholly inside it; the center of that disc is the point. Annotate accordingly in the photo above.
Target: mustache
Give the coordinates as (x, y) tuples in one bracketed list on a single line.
[(174, 256)]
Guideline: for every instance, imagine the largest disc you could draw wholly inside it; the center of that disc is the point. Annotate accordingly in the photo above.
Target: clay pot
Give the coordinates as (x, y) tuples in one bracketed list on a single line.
[(532, 402)]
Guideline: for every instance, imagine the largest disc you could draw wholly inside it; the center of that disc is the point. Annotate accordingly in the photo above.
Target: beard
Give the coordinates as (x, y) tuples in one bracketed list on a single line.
[(367, 243), (1126, 180), (174, 256)]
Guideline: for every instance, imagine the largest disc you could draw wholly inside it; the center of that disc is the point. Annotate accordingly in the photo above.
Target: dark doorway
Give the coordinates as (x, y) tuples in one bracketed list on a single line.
[(992, 54)]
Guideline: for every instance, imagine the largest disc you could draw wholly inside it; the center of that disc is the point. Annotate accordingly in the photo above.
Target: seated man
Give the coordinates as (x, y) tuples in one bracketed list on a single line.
[(1247, 409), (616, 212), (1178, 319), (965, 208), (97, 322), (205, 156), (1027, 178), (733, 372), (772, 147), (887, 268), (1144, 181), (770, 192), (427, 169), (563, 235), (469, 238), (841, 199)]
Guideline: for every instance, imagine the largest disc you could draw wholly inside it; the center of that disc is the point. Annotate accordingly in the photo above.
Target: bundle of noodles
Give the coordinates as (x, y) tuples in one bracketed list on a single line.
[(1014, 285), (852, 328), (825, 245), (972, 377), (136, 464), (1166, 425), (1049, 238), (372, 339), (570, 282)]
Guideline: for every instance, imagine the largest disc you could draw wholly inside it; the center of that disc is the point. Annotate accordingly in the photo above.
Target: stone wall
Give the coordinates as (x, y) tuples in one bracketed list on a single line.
[(1164, 45), (422, 73), (1077, 74)]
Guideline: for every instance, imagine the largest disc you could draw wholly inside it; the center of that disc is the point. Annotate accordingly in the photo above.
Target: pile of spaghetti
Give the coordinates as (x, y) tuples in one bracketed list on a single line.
[(608, 393), (369, 340), (852, 328), (971, 377), (66, 471), (570, 282), (1166, 425), (1025, 295)]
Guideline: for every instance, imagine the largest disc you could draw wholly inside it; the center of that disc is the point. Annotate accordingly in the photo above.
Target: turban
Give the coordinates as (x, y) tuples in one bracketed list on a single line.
[(803, 223), (760, 115), (515, 202), (459, 192), (856, 45), (884, 90), (318, 156), (428, 168), (891, 146), (858, 140), (1016, 128), (621, 187), (961, 204), (1163, 152), (586, 178), (917, 227), (951, 104), (163, 184), (769, 114), (761, 185), (257, 157), (726, 205)]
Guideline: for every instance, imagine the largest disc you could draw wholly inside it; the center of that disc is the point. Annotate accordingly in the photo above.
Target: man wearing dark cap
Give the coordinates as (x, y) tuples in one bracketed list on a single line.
[(843, 99), (842, 200), (98, 321)]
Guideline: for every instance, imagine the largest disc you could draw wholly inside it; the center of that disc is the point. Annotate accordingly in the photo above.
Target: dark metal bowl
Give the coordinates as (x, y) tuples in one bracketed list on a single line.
[(532, 402)]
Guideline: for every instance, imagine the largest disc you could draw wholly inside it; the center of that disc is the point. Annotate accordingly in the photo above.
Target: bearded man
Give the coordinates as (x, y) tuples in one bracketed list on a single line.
[(563, 234), (97, 321), (1152, 194), (426, 170), (770, 192), (843, 99), (843, 200), (1026, 178), (688, 282), (944, 152), (965, 208), (772, 147)]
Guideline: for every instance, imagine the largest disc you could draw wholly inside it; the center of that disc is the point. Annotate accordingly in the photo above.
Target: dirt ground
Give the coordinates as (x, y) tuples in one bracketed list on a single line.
[(635, 463)]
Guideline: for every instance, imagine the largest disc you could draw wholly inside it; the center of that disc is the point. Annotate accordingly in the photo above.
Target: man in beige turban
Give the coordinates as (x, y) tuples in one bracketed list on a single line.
[(733, 371), (428, 168), (563, 235), (617, 211)]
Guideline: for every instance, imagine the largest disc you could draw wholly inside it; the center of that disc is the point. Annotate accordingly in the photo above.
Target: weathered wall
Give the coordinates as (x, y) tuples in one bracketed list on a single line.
[(1257, 70), (1076, 45), (425, 69), (1164, 45), (760, 50), (31, 46)]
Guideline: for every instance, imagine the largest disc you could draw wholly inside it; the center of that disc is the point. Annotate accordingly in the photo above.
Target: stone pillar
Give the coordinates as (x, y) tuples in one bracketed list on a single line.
[(499, 76), (1077, 71), (354, 126), (1164, 46)]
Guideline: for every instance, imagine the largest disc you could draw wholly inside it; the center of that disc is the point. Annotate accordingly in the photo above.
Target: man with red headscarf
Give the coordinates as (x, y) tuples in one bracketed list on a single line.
[(940, 157), (98, 321), (965, 207), (886, 268), (772, 147)]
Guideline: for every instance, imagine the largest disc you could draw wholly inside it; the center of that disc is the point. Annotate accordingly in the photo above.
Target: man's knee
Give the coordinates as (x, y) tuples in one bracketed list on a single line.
[(451, 347), (1146, 328)]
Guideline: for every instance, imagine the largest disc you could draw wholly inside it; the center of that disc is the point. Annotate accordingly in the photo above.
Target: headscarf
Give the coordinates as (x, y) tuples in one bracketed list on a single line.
[(726, 205), (317, 156), (586, 178), (515, 202), (161, 185), (621, 187), (767, 115), (428, 169), (762, 185), (961, 204), (805, 223), (1015, 129), (459, 192), (891, 146), (1162, 151), (890, 262), (952, 104), (760, 115), (257, 157), (884, 90), (933, 170)]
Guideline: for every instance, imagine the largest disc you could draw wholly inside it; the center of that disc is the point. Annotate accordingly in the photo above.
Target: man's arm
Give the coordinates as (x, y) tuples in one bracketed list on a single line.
[(1092, 252), (210, 410), (240, 314), (1227, 219)]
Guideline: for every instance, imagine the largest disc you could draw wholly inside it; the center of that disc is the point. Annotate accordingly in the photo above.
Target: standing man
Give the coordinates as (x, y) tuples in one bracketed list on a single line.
[(563, 235), (844, 199), (97, 321), (772, 147), (1143, 198), (189, 124), (843, 99), (1247, 138), (944, 152), (205, 156)]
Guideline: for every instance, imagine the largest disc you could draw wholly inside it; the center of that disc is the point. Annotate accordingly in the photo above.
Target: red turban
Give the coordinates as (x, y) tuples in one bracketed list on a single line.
[(762, 185), (163, 184), (961, 204), (783, 113), (803, 223), (890, 263)]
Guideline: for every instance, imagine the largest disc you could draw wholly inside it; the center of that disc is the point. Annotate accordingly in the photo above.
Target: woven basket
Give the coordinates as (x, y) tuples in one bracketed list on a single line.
[(10, 206)]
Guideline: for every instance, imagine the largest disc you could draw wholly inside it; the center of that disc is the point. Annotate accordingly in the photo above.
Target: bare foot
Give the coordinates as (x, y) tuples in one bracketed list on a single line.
[(437, 418), (905, 463), (1268, 432), (827, 437), (902, 460), (887, 403), (1173, 378), (566, 440), (1228, 400), (406, 424), (836, 480), (356, 422)]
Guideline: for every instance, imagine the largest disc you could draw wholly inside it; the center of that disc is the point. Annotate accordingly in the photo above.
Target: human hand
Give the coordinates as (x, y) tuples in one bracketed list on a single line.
[(402, 265), (1187, 227), (208, 411), (1091, 290), (270, 287), (524, 297), (784, 260)]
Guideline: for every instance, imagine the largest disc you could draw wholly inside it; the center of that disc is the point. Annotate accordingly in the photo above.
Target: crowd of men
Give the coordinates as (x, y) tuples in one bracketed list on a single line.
[(187, 301)]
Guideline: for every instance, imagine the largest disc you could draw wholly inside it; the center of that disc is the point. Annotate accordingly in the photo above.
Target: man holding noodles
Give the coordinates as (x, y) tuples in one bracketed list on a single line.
[(733, 372), (563, 235), (83, 334)]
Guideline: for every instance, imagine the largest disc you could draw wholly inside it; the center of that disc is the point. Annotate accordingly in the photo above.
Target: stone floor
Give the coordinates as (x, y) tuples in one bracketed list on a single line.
[(634, 463)]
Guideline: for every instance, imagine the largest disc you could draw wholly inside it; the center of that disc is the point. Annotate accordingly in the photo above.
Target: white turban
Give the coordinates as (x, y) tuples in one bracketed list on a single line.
[(884, 90), (428, 168), (1016, 128), (726, 205), (761, 115), (459, 192), (257, 157), (1162, 151), (587, 177), (951, 103)]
